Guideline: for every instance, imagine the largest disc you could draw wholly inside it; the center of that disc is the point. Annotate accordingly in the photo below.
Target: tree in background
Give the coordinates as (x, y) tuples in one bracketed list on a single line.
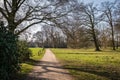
[(105, 38), (117, 24), (49, 36), (108, 10), (76, 36), (91, 20), (39, 38)]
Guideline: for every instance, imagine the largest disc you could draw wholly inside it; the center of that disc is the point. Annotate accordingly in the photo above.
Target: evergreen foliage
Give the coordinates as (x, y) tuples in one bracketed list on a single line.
[(9, 61), (24, 51)]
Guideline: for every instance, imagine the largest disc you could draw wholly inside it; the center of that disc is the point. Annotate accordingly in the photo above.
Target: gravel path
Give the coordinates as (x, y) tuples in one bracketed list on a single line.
[(49, 69)]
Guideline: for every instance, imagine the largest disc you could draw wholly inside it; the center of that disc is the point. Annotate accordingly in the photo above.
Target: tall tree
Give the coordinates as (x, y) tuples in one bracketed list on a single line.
[(91, 20), (76, 36), (108, 9)]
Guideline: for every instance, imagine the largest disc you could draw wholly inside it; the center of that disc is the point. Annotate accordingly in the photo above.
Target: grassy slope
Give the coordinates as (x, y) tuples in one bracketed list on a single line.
[(28, 65), (90, 65)]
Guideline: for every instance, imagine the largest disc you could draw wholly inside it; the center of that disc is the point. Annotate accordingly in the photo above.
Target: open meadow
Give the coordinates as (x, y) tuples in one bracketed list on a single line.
[(86, 64)]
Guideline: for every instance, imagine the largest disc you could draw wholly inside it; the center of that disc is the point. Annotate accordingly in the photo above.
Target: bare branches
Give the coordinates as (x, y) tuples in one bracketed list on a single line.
[(28, 27), (19, 3), (17, 12), (108, 9), (3, 13), (5, 5)]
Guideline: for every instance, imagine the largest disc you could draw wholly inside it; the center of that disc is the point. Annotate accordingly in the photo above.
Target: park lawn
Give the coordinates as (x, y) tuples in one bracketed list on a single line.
[(27, 66), (86, 64)]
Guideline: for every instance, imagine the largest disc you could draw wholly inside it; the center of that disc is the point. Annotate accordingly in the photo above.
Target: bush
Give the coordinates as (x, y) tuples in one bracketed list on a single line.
[(24, 51), (9, 62)]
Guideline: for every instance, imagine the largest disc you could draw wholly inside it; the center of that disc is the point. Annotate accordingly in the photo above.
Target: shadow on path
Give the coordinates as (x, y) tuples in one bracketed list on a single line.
[(49, 68)]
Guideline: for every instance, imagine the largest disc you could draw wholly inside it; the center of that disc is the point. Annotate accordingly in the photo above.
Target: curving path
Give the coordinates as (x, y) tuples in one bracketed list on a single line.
[(49, 68)]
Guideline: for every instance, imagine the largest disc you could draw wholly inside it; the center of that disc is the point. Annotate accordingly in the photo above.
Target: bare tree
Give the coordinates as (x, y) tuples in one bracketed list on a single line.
[(91, 20), (49, 36), (104, 37), (108, 9), (23, 14), (39, 38), (75, 33)]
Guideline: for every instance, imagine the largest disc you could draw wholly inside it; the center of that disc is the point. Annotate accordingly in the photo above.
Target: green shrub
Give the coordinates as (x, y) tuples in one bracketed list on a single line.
[(24, 51), (9, 62)]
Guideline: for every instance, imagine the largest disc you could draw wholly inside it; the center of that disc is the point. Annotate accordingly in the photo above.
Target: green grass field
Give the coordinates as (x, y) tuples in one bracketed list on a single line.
[(86, 64), (27, 66)]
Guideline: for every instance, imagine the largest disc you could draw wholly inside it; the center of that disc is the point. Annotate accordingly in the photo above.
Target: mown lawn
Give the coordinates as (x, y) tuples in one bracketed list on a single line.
[(27, 66), (86, 64)]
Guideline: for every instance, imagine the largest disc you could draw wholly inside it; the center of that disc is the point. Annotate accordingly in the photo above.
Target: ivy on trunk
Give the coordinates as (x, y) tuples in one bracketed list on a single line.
[(9, 62)]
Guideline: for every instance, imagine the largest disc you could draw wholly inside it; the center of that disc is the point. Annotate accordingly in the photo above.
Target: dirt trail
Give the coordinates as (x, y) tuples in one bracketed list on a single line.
[(49, 69)]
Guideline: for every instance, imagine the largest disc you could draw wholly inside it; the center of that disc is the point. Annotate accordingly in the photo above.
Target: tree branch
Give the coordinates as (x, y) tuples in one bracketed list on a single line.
[(28, 27), (3, 13)]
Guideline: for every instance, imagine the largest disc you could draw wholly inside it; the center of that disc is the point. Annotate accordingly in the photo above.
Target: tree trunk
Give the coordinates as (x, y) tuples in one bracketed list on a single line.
[(117, 43), (95, 40), (113, 41), (96, 43)]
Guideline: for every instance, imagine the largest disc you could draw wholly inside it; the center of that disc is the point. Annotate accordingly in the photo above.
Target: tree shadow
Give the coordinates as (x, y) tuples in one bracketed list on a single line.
[(111, 76), (46, 67), (31, 78), (56, 68), (21, 76), (35, 78), (31, 62)]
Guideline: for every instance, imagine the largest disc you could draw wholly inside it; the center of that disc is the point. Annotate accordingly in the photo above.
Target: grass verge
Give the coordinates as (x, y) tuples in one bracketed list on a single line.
[(27, 66)]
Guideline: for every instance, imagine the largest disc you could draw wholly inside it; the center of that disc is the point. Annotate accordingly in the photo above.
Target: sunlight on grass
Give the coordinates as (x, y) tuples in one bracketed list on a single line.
[(26, 68), (28, 65), (86, 63), (35, 55)]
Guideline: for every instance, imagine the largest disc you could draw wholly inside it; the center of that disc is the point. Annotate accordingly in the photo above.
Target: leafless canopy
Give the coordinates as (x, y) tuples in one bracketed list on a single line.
[(25, 13)]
